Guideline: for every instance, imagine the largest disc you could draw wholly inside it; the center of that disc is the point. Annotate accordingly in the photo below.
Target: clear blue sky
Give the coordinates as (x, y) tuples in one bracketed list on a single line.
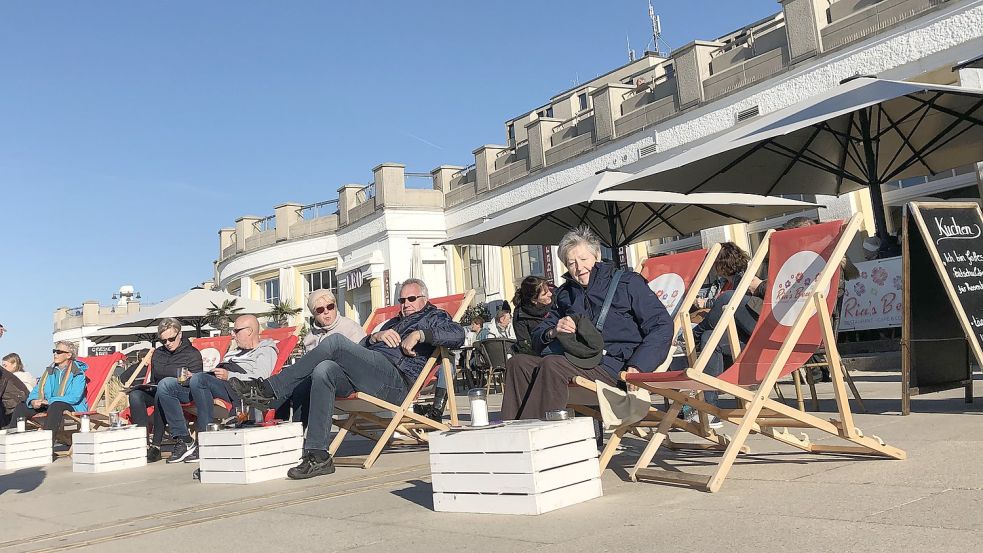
[(132, 131)]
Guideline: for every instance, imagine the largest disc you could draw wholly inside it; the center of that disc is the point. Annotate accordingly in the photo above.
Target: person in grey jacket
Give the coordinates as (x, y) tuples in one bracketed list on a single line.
[(384, 365)]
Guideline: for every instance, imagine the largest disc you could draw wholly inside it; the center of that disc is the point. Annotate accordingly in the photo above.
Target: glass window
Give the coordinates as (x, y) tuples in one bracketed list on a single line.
[(583, 100), (473, 258), (271, 290), (321, 280), (526, 260), (511, 133)]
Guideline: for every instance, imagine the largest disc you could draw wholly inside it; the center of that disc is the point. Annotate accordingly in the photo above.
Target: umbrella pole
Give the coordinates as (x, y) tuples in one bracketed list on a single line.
[(613, 233), (888, 242)]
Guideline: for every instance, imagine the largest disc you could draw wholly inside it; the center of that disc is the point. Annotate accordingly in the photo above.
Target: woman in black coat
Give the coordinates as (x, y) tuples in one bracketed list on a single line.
[(532, 302)]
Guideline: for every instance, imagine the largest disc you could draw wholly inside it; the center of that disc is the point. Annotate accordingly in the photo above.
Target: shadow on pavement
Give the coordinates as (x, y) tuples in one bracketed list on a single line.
[(23, 480), (418, 492)]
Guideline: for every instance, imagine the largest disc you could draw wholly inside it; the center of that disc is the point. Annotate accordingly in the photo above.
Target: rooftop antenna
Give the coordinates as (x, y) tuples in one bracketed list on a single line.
[(631, 53), (657, 40)]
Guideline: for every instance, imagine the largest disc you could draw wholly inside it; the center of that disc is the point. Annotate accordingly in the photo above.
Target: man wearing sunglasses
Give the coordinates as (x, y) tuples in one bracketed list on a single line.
[(174, 359), (384, 364), (60, 389)]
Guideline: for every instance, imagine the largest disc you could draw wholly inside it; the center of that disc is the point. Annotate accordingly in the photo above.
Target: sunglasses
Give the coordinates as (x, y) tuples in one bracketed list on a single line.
[(329, 307), (410, 299), (238, 330), (170, 340), (60, 352)]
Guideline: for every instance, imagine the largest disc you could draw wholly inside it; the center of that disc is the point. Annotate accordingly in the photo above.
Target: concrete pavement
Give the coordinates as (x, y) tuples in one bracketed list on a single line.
[(775, 497)]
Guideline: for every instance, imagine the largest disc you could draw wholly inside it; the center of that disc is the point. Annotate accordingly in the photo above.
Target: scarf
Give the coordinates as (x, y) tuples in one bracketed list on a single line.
[(64, 381), (318, 329)]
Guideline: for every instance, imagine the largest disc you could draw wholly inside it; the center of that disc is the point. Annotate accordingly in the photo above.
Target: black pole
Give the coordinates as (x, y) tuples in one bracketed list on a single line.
[(613, 231), (874, 184)]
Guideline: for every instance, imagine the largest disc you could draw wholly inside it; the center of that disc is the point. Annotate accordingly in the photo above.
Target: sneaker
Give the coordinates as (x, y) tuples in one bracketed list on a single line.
[(253, 392), (192, 457), (181, 451), (311, 467), (153, 454), (714, 423), (693, 416)]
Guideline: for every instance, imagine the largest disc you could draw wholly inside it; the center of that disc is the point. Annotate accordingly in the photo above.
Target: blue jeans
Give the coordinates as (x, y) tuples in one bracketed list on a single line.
[(205, 387), (338, 367), (170, 395)]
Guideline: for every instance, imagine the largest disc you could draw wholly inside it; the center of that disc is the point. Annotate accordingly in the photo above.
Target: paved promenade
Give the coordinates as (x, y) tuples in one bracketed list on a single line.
[(775, 499)]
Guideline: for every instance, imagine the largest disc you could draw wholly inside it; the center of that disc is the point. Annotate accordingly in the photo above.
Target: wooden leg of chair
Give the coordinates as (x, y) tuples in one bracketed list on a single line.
[(661, 433), (448, 369), (343, 430), (853, 388), (812, 389), (383, 440), (797, 380), (612, 446)]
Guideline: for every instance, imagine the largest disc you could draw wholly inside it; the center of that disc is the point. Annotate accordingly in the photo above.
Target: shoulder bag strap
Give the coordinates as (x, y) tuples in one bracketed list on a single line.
[(610, 298)]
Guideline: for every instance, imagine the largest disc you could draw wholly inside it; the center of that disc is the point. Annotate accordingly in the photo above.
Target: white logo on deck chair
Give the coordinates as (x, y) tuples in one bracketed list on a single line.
[(670, 288), (794, 284)]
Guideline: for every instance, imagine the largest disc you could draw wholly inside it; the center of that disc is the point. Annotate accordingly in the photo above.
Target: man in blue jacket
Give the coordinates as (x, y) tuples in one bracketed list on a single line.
[(60, 389), (385, 364)]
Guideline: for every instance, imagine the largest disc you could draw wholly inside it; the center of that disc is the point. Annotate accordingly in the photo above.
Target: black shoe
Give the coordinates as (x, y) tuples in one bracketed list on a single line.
[(192, 457), (422, 408), (253, 392), (311, 467), (436, 411), (153, 454), (181, 451)]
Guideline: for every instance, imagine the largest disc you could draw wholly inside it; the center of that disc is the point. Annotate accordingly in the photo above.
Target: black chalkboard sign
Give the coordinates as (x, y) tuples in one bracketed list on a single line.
[(943, 297)]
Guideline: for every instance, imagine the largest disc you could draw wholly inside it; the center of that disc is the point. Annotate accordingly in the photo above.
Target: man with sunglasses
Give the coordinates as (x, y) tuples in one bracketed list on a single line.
[(384, 364), (175, 359)]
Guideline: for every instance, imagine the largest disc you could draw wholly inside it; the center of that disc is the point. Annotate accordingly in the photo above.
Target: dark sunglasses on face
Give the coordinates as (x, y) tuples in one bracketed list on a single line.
[(238, 330), (410, 299), (170, 340), (60, 352), (329, 307)]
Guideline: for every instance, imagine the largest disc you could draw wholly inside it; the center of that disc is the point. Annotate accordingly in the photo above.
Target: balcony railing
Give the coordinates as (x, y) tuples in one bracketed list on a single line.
[(854, 20), (265, 224), (319, 209)]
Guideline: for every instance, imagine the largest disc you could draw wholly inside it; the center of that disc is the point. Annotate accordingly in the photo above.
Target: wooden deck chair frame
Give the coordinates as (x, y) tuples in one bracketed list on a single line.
[(583, 391), (758, 412), (363, 410)]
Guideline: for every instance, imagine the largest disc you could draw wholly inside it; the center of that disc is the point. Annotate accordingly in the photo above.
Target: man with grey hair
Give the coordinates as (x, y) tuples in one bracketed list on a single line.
[(385, 365), (60, 389), (171, 366)]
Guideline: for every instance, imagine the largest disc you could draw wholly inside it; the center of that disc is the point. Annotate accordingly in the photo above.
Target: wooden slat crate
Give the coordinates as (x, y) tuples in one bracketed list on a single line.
[(249, 455), (25, 449), (109, 450), (524, 467)]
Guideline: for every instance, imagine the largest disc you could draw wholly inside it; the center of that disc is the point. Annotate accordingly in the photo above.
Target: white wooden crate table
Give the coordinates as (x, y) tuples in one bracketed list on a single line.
[(249, 455), (109, 449), (24, 449), (521, 467)]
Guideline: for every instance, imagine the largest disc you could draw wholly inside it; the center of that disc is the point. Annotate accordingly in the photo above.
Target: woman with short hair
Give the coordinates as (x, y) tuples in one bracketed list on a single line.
[(532, 301), (60, 389), (15, 384), (636, 335)]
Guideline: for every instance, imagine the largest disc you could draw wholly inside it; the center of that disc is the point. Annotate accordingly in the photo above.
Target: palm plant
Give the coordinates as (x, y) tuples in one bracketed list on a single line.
[(221, 316), (281, 313)]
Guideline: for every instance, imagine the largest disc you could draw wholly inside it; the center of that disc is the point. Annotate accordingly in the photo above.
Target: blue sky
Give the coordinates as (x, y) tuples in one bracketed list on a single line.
[(132, 131)]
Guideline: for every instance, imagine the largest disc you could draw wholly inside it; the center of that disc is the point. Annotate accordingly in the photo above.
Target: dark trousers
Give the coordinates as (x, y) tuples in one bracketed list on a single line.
[(205, 388), (722, 356), (535, 385), (55, 421), (338, 367), (140, 401)]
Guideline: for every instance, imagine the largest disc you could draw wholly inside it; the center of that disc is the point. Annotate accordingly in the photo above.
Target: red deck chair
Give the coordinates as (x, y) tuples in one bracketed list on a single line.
[(96, 377), (794, 321), (277, 334), (379, 420), (676, 279)]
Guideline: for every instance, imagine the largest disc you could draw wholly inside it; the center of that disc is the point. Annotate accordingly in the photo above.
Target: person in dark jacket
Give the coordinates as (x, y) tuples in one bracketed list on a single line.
[(175, 356), (637, 331), (532, 302), (385, 364)]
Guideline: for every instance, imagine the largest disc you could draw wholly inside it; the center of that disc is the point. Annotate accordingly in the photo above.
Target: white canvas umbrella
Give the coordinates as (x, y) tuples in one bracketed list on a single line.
[(620, 218), (130, 334), (862, 133), (190, 308)]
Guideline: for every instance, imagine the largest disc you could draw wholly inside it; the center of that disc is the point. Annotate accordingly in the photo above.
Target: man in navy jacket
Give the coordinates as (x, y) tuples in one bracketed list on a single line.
[(385, 364)]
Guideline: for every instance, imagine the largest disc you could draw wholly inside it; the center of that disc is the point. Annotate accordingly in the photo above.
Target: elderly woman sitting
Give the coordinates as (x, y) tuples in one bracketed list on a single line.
[(636, 334), (60, 389)]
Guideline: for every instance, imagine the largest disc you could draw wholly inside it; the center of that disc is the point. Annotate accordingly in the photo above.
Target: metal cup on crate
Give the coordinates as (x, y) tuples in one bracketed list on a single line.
[(558, 415)]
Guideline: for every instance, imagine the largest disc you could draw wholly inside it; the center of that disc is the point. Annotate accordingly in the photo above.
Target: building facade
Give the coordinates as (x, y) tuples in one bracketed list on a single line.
[(376, 235)]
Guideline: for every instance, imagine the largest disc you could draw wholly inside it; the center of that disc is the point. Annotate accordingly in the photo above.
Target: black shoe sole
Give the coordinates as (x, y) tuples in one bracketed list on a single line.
[(250, 395), (294, 476)]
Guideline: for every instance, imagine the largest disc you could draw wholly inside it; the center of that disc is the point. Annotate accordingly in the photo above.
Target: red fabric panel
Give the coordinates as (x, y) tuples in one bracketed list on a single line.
[(795, 259), (668, 288), (99, 368), (277, 334)]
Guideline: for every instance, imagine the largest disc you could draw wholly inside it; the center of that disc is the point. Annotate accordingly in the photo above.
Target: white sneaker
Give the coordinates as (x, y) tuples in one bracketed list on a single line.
[(714, 423)]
